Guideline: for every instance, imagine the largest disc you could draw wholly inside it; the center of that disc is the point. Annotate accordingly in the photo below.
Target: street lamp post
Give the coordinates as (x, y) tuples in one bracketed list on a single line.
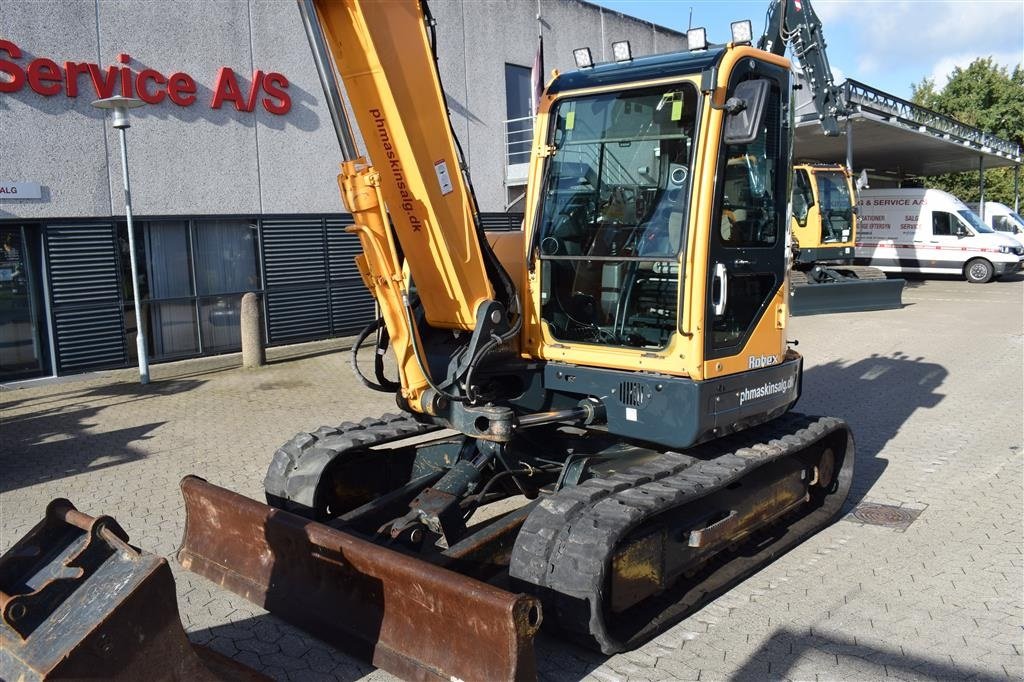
[(119, 106)]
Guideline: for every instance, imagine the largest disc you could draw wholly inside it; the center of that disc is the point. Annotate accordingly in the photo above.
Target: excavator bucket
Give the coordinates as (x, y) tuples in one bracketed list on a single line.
[(405, 615), (848, 295), (79, 602)]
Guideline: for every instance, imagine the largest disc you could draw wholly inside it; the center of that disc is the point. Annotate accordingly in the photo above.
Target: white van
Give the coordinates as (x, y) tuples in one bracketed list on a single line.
[(1002, 219), (932, 232)]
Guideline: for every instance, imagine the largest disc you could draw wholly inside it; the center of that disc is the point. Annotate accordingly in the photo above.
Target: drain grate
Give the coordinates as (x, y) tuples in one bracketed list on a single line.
[(887, 515)]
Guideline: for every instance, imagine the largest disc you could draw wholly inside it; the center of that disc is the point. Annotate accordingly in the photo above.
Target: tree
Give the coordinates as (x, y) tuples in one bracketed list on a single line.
[(987, 96)]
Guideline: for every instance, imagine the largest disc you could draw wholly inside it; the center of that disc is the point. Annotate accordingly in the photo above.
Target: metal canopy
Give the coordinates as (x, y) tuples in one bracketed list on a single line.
[(892, 134)]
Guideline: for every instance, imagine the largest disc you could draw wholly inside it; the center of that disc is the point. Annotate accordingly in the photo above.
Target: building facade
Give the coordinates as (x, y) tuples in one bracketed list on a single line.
[(233, 163)]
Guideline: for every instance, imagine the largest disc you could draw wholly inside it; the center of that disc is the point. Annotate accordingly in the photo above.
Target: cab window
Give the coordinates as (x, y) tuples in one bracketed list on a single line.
[(1002, 224), (803, 197), (748, 209), (944, 224)]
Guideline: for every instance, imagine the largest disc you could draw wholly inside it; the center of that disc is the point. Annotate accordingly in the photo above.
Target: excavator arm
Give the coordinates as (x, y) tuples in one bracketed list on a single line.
[(794, 23), (425, 258)]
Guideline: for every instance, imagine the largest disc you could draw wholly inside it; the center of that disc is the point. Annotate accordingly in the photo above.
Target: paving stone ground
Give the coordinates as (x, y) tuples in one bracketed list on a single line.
[(934, 395)]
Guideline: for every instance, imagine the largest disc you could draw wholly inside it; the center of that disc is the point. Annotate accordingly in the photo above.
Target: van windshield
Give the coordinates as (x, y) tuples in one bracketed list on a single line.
[(975, 222), (1019, 220)]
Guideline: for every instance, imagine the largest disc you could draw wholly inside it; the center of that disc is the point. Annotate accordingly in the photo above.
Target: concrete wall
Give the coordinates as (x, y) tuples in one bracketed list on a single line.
[(200, 160)]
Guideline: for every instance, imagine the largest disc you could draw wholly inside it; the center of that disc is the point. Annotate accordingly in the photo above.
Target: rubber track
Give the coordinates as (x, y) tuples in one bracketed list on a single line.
[(566, 544), (295, 470), (798, 278), (862, 271)]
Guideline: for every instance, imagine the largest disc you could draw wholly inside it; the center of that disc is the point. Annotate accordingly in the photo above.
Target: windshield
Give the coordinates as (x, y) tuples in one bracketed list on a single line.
[(835, 207), (614, 215), (975, 222)]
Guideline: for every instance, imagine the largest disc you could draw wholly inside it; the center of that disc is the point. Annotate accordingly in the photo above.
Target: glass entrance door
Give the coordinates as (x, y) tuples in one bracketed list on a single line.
[(22, 352)]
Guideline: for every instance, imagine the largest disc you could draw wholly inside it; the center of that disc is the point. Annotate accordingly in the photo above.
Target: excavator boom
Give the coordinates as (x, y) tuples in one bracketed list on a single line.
[(795, 23)]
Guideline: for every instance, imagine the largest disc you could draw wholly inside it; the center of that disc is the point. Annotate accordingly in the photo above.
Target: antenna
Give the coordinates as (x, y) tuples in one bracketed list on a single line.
[(689, 21)]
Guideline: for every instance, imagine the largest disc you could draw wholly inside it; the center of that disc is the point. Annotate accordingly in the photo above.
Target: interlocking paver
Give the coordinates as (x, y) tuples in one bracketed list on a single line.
[(934, 395)]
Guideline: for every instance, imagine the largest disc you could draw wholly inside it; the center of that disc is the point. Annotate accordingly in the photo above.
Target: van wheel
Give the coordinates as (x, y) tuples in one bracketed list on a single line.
[(978, 271)]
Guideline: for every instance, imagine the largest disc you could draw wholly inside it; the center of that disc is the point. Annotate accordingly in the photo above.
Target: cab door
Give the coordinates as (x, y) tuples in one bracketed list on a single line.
[(747, 250), (943, 250)]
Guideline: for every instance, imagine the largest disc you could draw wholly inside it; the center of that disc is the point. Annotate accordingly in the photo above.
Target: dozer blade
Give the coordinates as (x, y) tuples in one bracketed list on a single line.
[(79, 602), (402, 614), (846, 296)]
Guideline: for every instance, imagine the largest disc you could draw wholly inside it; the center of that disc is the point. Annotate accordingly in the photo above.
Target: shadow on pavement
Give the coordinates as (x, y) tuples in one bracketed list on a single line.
[(783, 651), (876, 396), (49, 438), (275, 648)]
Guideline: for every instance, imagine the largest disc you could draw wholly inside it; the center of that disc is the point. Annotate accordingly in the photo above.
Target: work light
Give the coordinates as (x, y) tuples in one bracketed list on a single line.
[(697, 39), (742, 31), (621, 51), (582, 57)]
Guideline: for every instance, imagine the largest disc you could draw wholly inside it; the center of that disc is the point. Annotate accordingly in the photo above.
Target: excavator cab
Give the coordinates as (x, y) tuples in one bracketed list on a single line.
[(824, 214), (670, 255), (824, 229)]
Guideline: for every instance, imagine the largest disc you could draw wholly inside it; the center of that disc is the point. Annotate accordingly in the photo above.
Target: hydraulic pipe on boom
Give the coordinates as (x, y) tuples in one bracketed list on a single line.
[(794, 22)]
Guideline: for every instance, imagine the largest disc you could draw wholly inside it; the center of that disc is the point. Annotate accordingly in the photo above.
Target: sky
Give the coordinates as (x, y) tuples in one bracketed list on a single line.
[(887, 44)]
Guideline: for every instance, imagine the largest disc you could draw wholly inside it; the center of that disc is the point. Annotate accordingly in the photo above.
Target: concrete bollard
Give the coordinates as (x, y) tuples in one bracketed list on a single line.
[(253, 352)]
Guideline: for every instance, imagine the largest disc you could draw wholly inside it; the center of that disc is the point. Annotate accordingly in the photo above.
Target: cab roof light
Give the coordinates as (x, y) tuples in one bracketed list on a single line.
[(742, 31), (583, 58), (621, 51), (697, 39)]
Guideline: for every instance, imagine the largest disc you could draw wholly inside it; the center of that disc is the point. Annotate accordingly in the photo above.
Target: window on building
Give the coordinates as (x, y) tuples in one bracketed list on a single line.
[(518, 113), (192, 275), (171, 309)]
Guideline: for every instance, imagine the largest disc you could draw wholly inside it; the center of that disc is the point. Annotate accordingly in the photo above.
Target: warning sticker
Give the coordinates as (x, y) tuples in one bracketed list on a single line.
[(443, 179)]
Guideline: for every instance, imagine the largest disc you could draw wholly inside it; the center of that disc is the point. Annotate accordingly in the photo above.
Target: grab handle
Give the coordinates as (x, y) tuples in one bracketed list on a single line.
[(718, 301)]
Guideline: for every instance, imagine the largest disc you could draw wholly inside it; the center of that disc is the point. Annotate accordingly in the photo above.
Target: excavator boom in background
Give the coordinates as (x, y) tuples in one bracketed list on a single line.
[(594, 424), (824, 228)]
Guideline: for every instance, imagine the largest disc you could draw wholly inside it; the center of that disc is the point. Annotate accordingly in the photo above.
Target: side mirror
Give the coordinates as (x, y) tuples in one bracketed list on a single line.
[(862, 180), (746, 109), (961, 233)]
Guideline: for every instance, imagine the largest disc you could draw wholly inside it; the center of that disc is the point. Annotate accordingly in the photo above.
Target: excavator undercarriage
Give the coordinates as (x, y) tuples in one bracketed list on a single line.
[(619, 544)]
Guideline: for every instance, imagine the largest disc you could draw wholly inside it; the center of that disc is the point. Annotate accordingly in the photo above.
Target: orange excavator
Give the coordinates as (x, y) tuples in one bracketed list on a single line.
[(593, 424)]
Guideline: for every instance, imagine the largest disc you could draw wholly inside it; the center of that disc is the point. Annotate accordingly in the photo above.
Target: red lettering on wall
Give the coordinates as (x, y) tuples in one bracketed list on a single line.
[(274, 84), (181, 89), (45, 77), (226, 88), (71, 71), (145, 94), (126, 75), (12, 78), (103, 83)]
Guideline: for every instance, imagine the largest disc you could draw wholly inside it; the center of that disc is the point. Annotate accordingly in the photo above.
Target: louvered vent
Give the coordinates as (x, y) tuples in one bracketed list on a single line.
[(293, 253), (313, 289), (351, 303), (82, 264), (501, 221), (295, 271), (632, 394)]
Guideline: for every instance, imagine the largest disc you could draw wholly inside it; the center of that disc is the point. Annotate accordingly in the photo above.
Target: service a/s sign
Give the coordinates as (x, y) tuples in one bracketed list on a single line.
[(48, 78)]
